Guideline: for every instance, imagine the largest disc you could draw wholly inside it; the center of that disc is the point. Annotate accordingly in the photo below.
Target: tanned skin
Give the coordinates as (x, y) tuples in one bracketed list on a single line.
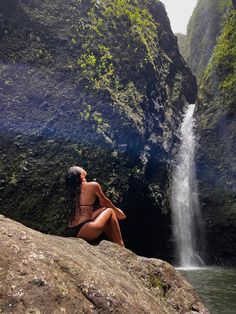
[(104, 218)]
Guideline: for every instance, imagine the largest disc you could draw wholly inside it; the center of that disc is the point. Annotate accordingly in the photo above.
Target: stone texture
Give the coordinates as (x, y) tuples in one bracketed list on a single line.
[(50, 274)]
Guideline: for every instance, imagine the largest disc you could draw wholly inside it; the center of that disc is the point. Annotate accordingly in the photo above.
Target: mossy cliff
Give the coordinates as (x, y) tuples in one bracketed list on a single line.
[(216, 116), (204, 28), (216, 122), (95, 83)]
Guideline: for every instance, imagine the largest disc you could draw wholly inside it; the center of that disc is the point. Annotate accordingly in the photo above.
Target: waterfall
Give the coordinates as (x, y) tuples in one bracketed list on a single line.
[(186, 215)]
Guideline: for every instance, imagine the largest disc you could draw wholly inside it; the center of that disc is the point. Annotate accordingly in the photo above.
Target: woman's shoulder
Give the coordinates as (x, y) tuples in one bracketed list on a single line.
[(93, 184)]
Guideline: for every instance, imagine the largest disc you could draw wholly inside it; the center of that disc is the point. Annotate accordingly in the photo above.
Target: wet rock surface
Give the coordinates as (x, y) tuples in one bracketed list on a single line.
[(49, 274)]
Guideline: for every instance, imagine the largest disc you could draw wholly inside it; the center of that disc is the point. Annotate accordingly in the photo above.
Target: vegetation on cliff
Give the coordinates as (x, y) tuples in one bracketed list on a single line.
[(219, 81), (121, 36), (203, 30), (216, 154)]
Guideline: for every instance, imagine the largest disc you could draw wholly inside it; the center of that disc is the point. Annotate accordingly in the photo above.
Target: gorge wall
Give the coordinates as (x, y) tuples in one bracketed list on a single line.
[(203, 30), (216, 126), (99, 84)]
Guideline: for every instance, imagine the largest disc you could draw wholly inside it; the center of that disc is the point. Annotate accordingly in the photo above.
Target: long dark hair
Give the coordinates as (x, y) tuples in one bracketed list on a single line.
[(73, 189)]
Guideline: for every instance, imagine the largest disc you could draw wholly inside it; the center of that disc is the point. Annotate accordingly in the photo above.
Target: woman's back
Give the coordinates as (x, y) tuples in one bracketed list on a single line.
[(85, 203), (87, 194)]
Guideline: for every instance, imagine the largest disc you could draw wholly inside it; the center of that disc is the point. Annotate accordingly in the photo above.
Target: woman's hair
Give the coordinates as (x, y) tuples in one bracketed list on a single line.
[(73, 189)]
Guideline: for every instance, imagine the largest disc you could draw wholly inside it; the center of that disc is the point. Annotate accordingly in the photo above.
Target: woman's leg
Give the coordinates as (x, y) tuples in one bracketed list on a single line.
[(112, 230), (105, 221)]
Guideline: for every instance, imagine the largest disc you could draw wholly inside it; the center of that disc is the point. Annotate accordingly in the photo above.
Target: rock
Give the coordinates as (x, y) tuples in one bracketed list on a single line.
[(52, 274)]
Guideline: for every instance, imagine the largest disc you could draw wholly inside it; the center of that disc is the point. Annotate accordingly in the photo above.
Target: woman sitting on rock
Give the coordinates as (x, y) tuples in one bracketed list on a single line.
[(86, 220)]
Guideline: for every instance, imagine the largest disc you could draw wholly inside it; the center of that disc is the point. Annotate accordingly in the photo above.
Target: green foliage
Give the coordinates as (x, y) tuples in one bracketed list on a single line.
[(97, 117), (120, 37), (218, 85), (99, 124), (13, 179), (222, 67), (73, 41), (86, 114), (225, 56), (223, 5), (204, 28)]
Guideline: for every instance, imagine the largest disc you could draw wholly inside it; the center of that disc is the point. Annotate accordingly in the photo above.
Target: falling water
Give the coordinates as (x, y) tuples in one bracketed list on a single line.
[(186, 215)]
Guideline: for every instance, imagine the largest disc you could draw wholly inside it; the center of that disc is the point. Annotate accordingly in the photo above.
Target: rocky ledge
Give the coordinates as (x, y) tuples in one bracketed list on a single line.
[(50, 274)]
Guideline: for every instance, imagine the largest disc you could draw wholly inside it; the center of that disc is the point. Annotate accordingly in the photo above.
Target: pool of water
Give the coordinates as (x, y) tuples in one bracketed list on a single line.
[(216, 286)]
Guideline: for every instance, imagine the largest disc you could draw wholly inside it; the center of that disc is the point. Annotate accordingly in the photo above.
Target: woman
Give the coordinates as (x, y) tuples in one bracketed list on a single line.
[(87, 221)]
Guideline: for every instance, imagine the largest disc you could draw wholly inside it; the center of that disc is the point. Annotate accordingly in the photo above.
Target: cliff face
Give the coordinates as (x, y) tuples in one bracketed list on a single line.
[(99, 84), (181, 38), (216, 154), (203, 30), (49, 274)]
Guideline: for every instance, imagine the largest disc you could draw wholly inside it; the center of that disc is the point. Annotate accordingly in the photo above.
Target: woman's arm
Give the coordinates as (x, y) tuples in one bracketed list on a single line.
[(104, 201)]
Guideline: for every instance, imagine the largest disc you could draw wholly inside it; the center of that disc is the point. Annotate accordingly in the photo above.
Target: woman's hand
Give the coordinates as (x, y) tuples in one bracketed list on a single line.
[(120, 214), (104, 201)]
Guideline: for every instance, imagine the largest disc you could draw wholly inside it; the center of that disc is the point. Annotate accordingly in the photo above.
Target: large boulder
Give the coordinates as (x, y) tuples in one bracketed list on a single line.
[(50, 274)]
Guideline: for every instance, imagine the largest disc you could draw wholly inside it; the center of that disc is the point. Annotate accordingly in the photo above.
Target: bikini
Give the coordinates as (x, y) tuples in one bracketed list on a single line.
[(73, 231)]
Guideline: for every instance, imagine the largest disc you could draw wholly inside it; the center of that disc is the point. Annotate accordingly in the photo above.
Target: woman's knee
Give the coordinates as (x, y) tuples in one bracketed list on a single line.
[(101, 220), (110, 211), (113, 214)]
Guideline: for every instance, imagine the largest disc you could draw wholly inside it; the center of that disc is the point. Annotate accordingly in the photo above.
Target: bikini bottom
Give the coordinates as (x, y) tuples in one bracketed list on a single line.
[(73, 231)]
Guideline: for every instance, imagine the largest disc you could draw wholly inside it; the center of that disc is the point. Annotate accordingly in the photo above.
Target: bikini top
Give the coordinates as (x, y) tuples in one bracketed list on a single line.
[(95, 204)]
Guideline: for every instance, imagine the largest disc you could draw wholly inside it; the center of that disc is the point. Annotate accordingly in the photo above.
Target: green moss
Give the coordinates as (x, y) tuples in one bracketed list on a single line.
[(224, 57), (156, 282), (86, 114), (13, 179), (222, 67), (218, 86), (97, 117)]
